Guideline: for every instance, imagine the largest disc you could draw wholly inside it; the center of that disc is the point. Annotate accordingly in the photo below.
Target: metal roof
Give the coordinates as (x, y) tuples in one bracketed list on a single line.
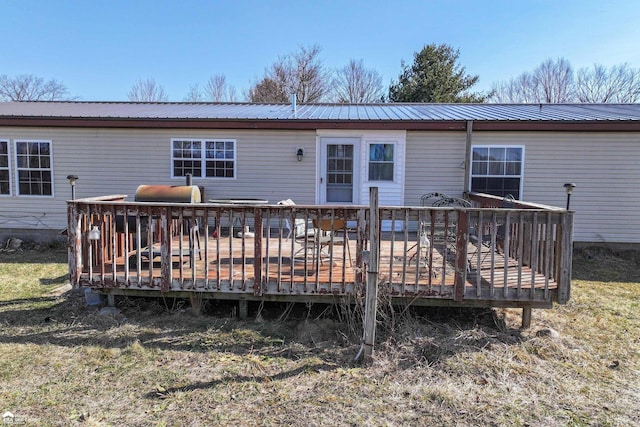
[(393, 113), (356, 112)]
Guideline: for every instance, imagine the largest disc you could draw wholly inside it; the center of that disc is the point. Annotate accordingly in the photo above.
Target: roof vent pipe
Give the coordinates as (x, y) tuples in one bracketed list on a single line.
[(293, 103)]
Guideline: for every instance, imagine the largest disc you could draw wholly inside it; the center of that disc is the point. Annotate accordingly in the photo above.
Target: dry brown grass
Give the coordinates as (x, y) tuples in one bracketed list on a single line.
[(156, 364)]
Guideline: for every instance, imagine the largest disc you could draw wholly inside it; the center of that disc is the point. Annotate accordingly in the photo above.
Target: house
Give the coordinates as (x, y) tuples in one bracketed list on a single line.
[(323, 154)]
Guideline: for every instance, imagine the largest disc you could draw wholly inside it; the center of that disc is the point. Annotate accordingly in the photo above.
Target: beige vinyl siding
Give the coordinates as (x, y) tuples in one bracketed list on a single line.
[(434, 163), (604, 166), (116, 161)]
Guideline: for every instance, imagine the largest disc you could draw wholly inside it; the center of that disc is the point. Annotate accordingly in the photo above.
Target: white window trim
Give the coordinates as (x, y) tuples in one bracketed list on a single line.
[(368, 144), (522, 163), (8, 168), (17, 169), (203, 158)]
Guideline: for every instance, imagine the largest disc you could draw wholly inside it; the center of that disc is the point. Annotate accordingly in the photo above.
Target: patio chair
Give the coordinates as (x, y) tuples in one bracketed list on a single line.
[(430, 198), (300, 230), (326, 230), (484, 238), (445, 228), (423, 243)]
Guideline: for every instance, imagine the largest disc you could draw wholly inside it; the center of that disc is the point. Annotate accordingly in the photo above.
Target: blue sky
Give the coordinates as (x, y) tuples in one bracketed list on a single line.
[(99, 49)]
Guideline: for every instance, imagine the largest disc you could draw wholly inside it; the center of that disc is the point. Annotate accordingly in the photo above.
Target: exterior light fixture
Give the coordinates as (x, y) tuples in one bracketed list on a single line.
[(569, 189), (299, 154), (94, 233), (72, 181)]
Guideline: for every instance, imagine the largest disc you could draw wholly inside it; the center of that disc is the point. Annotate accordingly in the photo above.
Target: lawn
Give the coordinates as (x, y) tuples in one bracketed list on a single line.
[(156, 363)]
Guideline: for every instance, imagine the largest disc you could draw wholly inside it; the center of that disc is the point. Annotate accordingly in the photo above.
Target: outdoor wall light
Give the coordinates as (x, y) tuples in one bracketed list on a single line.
[(299, 154), (94, 233), (72, 181), (569, 189)]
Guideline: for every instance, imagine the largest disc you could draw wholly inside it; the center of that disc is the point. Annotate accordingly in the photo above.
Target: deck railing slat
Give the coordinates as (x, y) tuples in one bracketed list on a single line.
[(207, 262), (493, 249), (506, 251), (535, 240), (520, 253), (180, 231), (547, 253), (257, 252), (479, 230)]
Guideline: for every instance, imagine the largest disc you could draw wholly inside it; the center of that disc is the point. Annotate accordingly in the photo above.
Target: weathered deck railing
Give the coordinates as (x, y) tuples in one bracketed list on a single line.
[(536, 236), (466, 256)]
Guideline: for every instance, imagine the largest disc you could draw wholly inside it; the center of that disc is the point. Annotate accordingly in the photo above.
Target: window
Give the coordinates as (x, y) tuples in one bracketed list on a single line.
[(497, 170), (33, 166), (5, 183), (381, 162), (203, 158)]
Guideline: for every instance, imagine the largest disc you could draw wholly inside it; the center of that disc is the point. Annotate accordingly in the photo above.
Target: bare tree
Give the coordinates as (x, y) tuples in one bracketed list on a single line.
[(195, 94), (518, 89), (301, 73), (147, 90), (554, 81), (232, 94), (356, 84), (620, 84), (551, 82), (217, 89), (27, 87)]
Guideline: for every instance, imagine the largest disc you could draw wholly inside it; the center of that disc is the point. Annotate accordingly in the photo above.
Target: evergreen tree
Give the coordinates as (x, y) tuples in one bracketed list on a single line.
[(434, 76)]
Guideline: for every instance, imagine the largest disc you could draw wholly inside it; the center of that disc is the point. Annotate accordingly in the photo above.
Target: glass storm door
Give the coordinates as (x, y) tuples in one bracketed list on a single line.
[(338, 178)]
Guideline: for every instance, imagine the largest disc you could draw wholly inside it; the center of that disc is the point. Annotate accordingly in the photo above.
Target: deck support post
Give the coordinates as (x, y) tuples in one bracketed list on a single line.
[(196, 303), (243, 309), (526, 317), (111, 300), (371, 296)]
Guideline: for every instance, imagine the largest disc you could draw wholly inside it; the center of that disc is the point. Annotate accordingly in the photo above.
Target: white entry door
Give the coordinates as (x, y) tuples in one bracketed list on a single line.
[(339, 179)]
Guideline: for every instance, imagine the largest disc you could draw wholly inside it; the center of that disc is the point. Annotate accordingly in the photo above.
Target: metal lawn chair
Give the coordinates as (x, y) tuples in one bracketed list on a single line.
[(326, 236), (489, 238)]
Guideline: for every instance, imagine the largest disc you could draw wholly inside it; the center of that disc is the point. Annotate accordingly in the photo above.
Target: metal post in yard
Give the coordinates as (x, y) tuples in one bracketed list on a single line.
[(371, 299)]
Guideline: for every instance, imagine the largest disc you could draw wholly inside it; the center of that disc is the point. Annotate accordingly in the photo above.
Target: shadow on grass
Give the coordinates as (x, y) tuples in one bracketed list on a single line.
[(422, 334), (204, 385), (60, 280), (66, 321), (29, 301)]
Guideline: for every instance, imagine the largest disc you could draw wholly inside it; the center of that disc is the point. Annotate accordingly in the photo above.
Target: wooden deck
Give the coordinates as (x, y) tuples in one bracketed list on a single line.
[(477, 255), (527, 269)]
